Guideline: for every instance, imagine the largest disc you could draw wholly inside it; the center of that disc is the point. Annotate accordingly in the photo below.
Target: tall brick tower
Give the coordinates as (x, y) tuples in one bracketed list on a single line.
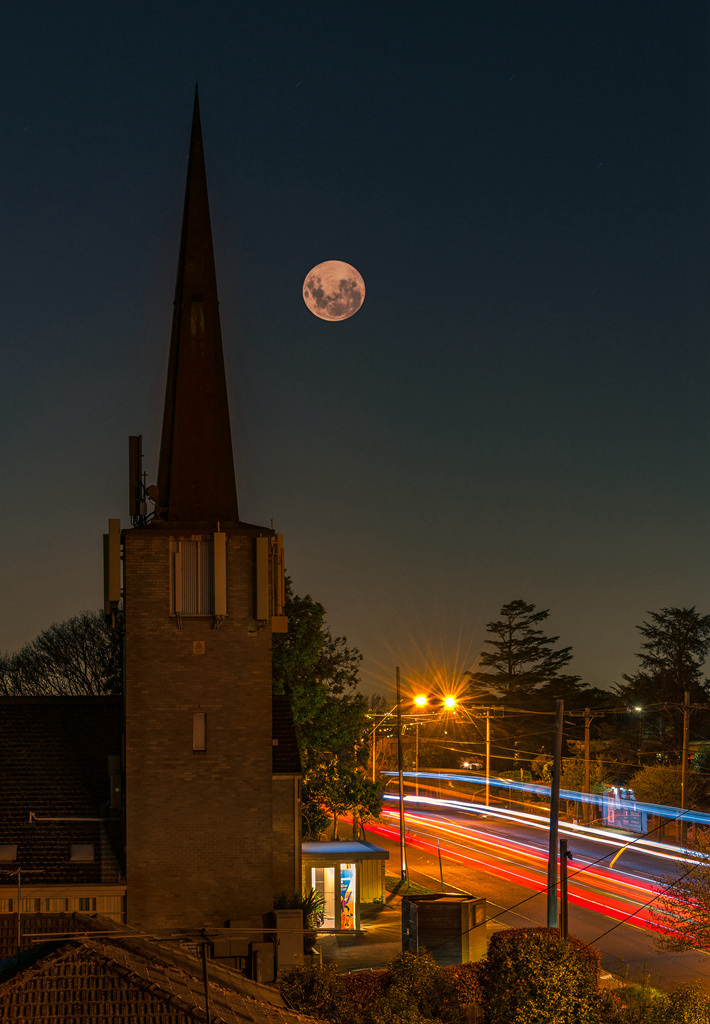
[(202, 592)]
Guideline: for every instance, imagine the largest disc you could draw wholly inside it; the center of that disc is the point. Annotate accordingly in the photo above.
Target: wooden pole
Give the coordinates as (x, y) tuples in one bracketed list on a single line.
[(488, 756), (587, 724), (554, 820), (684, 767), (564, 907), (416, 758)]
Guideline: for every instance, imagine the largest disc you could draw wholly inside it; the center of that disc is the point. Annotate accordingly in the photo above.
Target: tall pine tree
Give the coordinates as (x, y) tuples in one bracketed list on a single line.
[(521, 659)]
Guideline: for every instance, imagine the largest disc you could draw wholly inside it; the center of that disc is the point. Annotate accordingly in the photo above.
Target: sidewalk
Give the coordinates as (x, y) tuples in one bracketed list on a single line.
[(378, 942)]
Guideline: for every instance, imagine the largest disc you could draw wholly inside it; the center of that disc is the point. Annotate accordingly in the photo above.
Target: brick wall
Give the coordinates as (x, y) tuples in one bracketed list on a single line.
[(287, 834), (198, 824)]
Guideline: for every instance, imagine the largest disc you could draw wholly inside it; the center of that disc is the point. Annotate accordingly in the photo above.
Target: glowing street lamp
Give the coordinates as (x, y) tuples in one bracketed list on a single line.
[(450, 703), (421, 700)]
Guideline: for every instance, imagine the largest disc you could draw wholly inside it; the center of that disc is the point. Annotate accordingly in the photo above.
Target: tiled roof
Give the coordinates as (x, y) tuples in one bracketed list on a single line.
[(37, 927), (286, 758), (54, 762), (109, 981)]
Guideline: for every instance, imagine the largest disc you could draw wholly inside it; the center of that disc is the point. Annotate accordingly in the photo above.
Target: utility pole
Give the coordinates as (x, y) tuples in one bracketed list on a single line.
[(587, 724), (488, 756), (564, 905), (20, 872), (684, 767), (554, 820), (416, 757), (374, 729), (402, 847)]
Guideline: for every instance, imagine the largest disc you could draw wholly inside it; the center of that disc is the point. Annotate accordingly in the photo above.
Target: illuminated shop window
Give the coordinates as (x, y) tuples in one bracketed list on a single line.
[(323, 881), (347, 896)]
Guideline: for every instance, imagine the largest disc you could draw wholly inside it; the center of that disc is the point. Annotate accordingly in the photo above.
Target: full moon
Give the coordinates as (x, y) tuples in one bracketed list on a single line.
[(333, 290)]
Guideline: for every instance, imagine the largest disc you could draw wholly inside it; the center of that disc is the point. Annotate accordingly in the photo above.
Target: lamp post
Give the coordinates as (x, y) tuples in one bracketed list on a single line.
[(420, 701), (640, 711), (402, 846)]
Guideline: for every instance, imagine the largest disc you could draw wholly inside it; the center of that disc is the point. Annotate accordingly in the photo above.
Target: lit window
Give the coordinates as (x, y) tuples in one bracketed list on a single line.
[(199, 731), (192, 577), (81, 851), (8, 851)]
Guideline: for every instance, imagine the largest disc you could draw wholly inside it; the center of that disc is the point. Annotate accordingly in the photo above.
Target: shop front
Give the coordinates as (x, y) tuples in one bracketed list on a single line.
[(346, 874)]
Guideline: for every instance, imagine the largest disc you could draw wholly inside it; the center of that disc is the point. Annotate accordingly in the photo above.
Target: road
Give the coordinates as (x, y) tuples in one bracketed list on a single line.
[(507, 864)]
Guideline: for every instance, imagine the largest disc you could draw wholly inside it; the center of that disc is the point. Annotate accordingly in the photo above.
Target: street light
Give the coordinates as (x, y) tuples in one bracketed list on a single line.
[(637, 707)]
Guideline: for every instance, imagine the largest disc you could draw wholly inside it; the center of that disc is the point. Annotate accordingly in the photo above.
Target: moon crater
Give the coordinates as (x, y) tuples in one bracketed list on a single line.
[(333, 290)]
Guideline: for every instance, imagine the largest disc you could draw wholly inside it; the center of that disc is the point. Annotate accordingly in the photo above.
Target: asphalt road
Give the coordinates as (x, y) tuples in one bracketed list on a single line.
[(505, 864)]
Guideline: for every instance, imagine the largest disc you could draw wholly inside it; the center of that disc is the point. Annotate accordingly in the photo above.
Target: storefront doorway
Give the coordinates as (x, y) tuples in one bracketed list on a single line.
[(323, 881)]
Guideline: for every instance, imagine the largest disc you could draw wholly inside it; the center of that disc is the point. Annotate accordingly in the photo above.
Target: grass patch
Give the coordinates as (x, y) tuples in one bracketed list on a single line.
[(397, 887)]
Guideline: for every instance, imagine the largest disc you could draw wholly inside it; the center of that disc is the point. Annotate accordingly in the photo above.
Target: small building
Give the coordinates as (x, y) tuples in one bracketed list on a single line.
[(346, 874)]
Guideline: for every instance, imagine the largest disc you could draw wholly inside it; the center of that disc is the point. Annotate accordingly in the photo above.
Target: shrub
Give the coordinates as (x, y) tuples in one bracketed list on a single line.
[(318, 991), (365, 987), (466, 981), (417, 991), (312, 905), (689, 1005), (632, 1004), (533, 975)]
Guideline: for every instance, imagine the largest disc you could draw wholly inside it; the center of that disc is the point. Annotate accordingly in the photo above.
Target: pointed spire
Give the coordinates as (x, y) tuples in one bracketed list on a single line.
[(196, 479)]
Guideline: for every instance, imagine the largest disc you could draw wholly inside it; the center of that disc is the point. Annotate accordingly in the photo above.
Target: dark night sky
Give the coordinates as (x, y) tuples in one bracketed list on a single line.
[(518, 410)]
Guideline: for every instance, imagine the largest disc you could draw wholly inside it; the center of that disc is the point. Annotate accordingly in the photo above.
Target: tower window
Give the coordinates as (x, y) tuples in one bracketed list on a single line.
[(81, 851), (192, 577), (199, 731)]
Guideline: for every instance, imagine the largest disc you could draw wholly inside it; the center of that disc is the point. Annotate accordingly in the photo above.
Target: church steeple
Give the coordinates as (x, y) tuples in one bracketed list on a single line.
[(196, 480)]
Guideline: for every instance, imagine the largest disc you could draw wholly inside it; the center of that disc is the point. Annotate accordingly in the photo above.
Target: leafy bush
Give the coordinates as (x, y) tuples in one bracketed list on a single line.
[(632, 1004), (314, 820), (311, 903), (365, 987), (412, 991), (466, 981), (689, 1005), (416, 981), (533, 975), (318, 991)]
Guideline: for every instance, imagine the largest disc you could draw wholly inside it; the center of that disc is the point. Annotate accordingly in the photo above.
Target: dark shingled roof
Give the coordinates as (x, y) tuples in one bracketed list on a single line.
[(54, 762), (108, 980), (286, 758)]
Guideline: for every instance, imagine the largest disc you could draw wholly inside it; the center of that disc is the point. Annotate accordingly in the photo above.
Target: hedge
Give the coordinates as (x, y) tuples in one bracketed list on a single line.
[(532, 976)]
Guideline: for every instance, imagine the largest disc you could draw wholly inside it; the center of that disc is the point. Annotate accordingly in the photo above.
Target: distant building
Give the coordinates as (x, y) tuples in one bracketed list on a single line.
[(61, 842)]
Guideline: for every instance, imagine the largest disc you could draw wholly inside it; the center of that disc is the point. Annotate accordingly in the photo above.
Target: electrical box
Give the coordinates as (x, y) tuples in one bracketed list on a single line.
[(289, 939), (453, 927)]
